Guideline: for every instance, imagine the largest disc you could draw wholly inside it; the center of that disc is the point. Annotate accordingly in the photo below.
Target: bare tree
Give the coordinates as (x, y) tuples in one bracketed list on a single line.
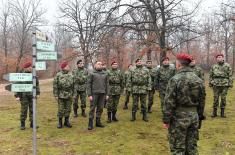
[(5, 26), (26, 15)]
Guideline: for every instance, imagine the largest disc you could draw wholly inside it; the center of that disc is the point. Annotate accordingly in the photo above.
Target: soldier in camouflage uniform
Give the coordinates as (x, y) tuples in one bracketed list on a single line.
[(220, 79), (162, 76), (26, 98), (116, 86), (139, 83), (63, 90), (183, 108), (80, 76), (128, 91), (196, 69), (152, 91), (97, 91)]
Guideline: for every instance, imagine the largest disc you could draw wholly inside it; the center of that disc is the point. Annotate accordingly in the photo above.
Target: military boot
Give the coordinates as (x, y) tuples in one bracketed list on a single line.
[(59, 126), (98, 123), (222, 113), (67, 123), (109, 117), (22, 125), (90, 124), (149, 109), (214, 114), (145, 116), (133, 116), (83, 113), (125, 106), (75, 112), (114, 118)]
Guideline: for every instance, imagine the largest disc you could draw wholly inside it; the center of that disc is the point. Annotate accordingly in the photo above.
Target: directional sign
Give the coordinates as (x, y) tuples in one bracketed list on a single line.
[(19, 87), (41, 65), (18, 77), (40, 36), (47, 56), (45, 46)]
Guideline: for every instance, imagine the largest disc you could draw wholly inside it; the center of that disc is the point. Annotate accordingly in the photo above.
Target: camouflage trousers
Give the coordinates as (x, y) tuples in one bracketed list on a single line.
[(113, 103), (220, 91), (183, 134), (97, 105), (64, 107), (136, 98), (26, 103), (162, 96), (82, 95), (127, 98), (150, 97)]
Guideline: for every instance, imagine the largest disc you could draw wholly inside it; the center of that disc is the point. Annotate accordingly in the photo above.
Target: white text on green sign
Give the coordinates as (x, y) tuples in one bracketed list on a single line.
[(45, 46), (47, 56), (21, 87), (20, 77), (40, 65)]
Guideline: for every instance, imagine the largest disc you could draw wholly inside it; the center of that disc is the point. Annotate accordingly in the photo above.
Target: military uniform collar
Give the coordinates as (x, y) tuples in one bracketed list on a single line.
[(185, 69)]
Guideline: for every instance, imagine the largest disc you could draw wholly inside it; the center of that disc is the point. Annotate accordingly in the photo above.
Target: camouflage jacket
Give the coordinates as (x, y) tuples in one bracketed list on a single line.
[(152, 72), (80, 78), (139, 81), (184, 90), (24, 94), (162, 76), (97, 83), (63, 85), (198, 71), (116, 82), (221, 75)]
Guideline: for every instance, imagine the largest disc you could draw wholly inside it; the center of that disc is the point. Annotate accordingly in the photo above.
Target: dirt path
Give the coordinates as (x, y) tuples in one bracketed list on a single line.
[(5, 92)]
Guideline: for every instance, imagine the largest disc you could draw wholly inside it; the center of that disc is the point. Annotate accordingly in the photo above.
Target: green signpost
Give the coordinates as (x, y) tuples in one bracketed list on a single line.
[(46, 46), (41, 65), (46, 55)]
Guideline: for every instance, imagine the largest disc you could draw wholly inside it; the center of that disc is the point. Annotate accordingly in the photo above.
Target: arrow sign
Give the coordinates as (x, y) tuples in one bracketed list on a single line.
[(41, 65), (45, 46), (18, 77), (19, 87), (40, 36), (47, 56)]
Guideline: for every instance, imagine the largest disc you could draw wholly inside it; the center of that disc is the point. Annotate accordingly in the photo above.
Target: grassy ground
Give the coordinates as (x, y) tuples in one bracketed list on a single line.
[(217, 136)]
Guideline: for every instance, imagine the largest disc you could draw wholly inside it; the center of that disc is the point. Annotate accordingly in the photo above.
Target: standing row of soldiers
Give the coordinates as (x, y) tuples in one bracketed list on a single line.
[(181, 91)]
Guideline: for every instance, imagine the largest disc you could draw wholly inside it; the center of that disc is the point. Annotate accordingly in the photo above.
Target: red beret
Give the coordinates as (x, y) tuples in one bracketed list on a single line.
[(164, 58), (220, 54), (27, 65), (184, 56), (113, 62), (63, 64)]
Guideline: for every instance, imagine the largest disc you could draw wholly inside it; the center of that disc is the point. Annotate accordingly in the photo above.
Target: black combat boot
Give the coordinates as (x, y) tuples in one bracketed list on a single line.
[(149, 109), (90, 124), (145, 116), (59, 126), (67, 123), (214, 114), (75, 112), (125, 106), (83, 113), (133, 116), (98, 123), (222, 113), (109, 117), (22, 125), (114, 118)]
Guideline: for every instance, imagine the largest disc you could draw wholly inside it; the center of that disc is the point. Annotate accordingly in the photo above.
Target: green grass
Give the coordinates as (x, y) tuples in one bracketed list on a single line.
[(217, 136)]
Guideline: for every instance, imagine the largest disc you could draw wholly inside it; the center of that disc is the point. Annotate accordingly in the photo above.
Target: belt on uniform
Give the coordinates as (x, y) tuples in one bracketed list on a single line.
[(187, 109)]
